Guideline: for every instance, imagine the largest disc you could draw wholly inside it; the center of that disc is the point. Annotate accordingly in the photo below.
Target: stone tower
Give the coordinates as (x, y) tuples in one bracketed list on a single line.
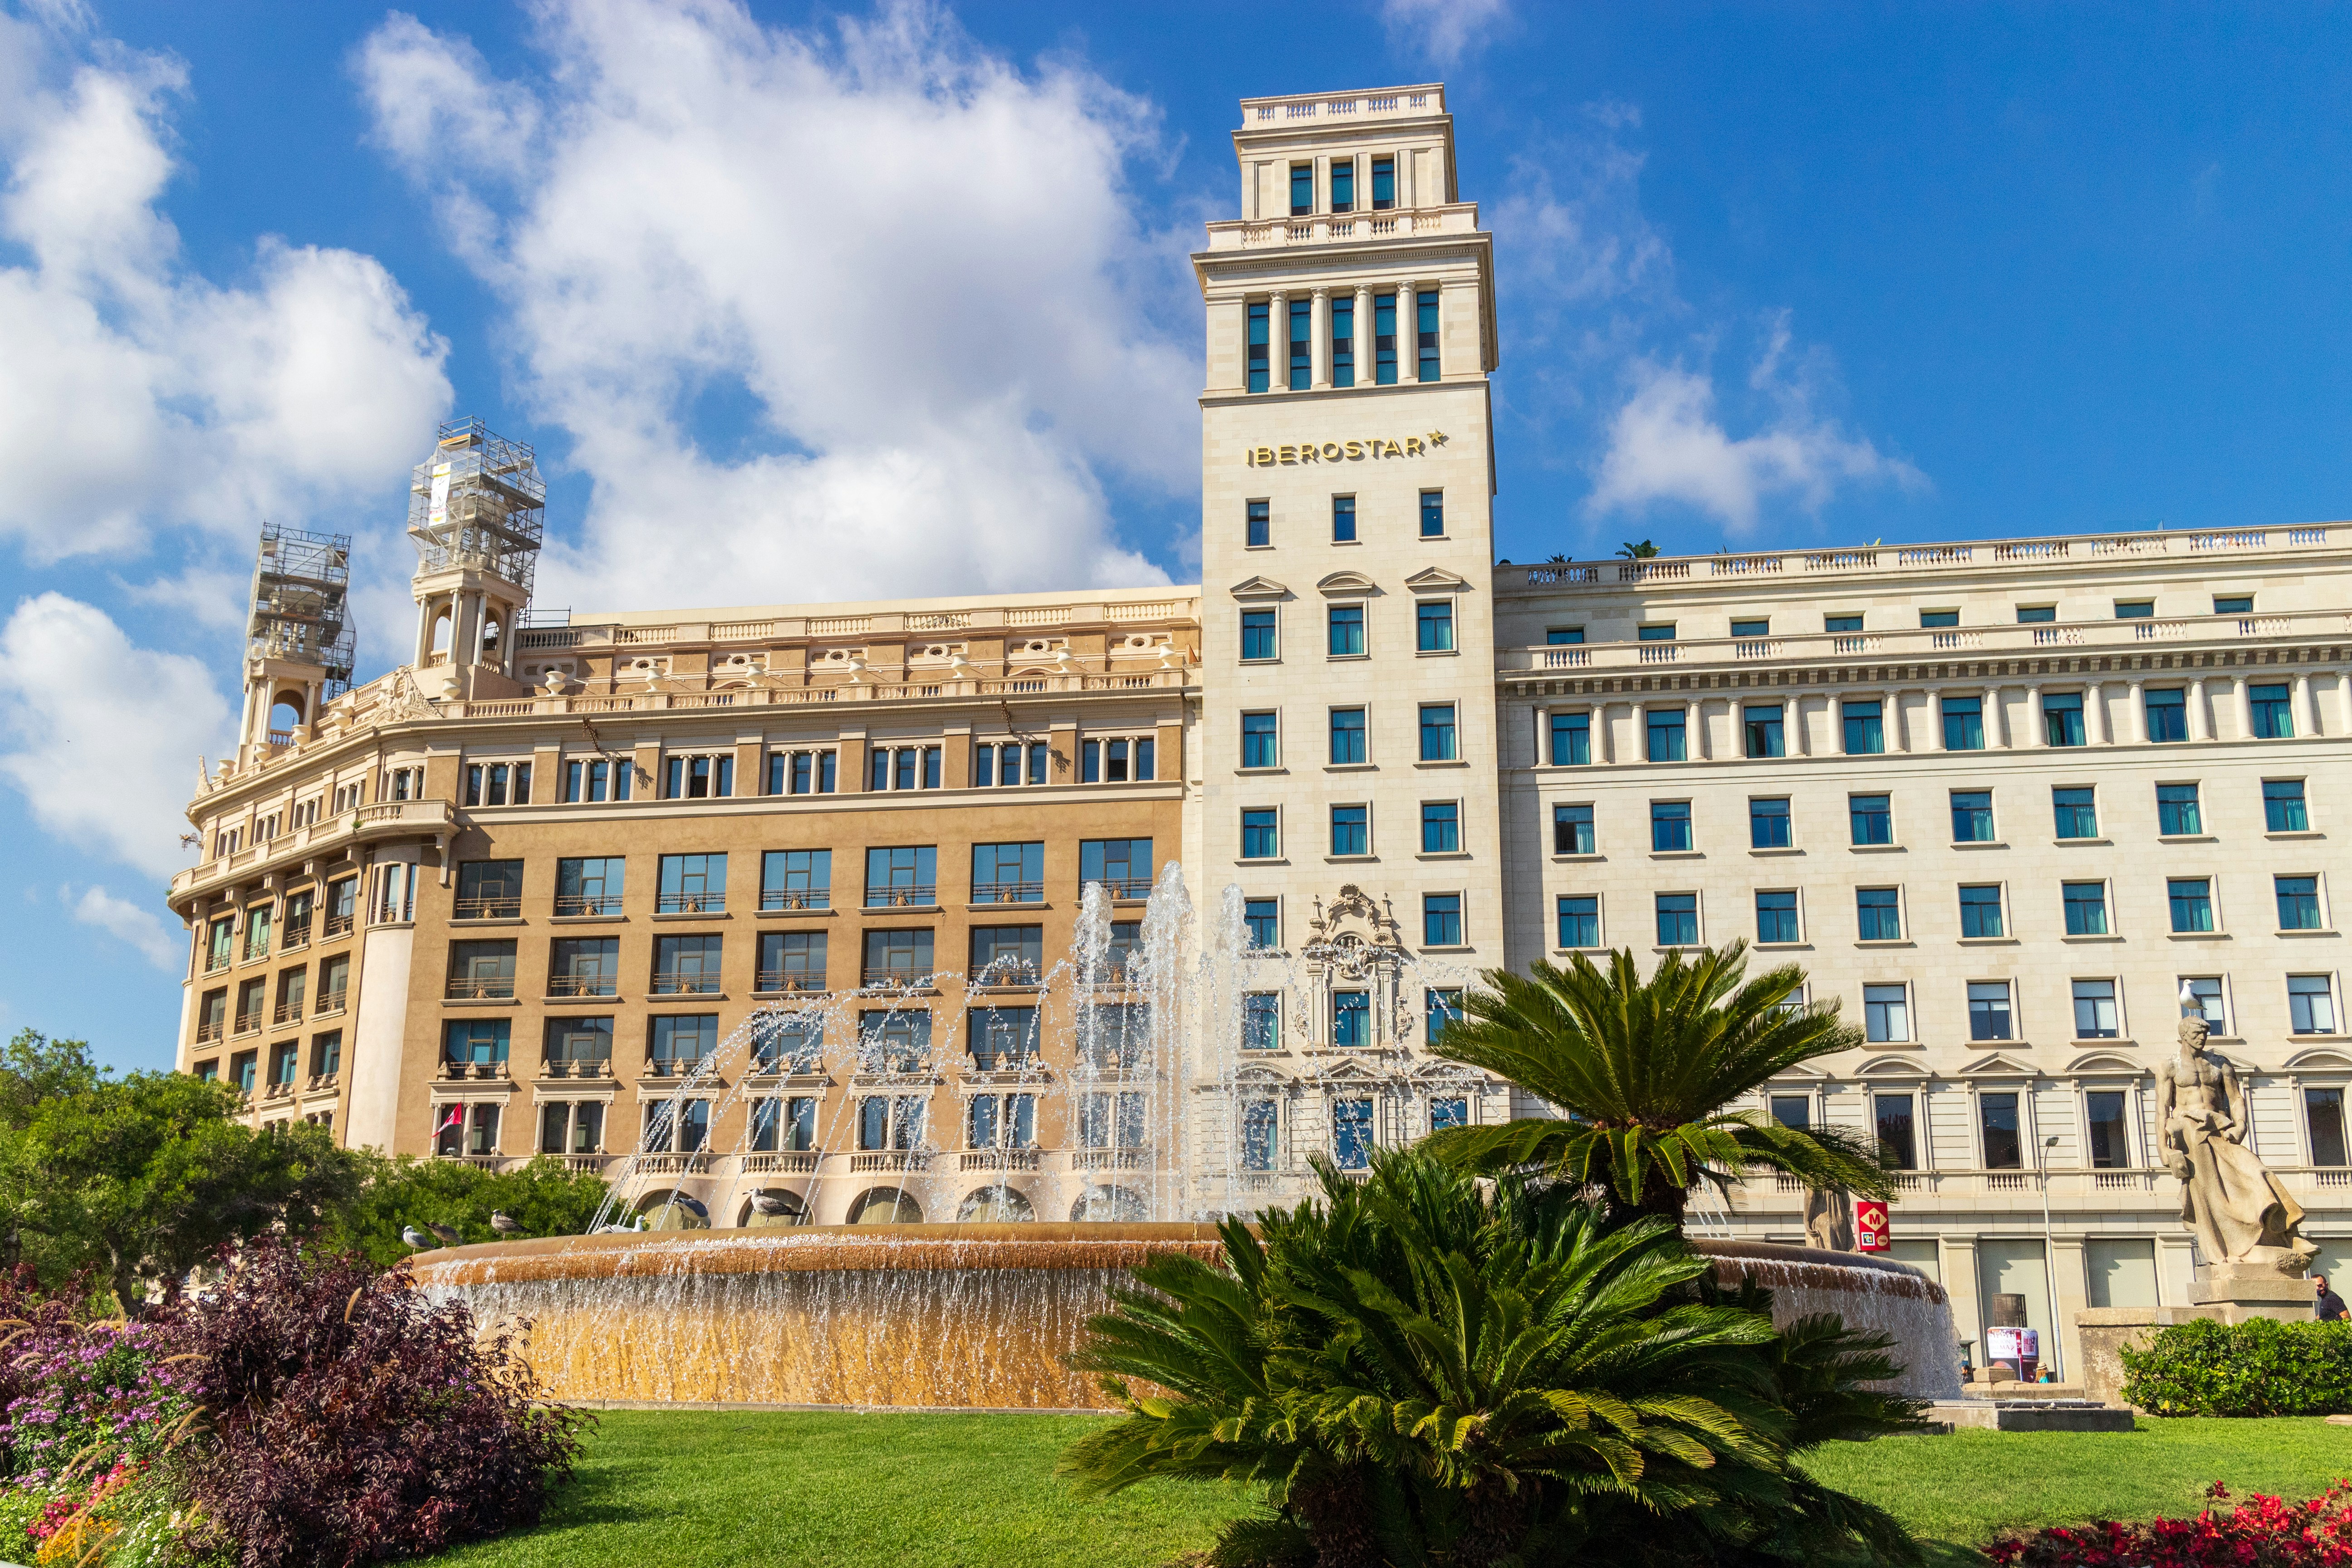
[(476, 510)]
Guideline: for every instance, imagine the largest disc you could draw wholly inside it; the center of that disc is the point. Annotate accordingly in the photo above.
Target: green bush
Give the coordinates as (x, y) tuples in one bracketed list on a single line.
[(2261, 1367)]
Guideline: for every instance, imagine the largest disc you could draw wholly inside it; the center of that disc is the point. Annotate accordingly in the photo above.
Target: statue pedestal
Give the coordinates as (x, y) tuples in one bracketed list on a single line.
[(2267, 1294)]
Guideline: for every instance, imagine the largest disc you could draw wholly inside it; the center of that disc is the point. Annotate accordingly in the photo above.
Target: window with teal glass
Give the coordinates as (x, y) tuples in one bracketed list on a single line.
[(1656, 631), (1347, 736), (2036, 614), (1972, 816), (1343, 519), (1260, 366), (1572, 740), (1441, 827), (1878, 912), (1670, 826), (1261, 740), (2282, 806), (1347, 630), (1351, 830), (2192, 903), (1440, 919), (1260, 524), (1964, 724), (1439, 1007), (1258, 635), (1980, 909), (2176, 810), (1433, 622), (1768, 822), (2273, 719), (1261, 1021), (1343, 184), (2167, 713), (1841, 623), (1759, 627), (1871, 818), (2298, 902), (1564, 636), (1302, 345), (1302, 189), (1776, 916), (1425, 310), (1579, 922), (2233, 605), (1384, 339), (1667, 736), (1261, 839), (1677, 919), (2135, 609), (1343, 337), (2086, 907), (1933, 619), (2062, 718), (2078, 812), (1383, 184), (1432, 514), (1437, 733), (1865, 731), (1263, 920), (1762, 730), (1352, 1020), (1572, 830)]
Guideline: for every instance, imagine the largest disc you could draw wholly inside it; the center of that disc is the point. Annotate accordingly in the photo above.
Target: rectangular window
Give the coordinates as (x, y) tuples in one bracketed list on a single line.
[(1670, 826), (1302, 345), (1352, 1020), (1348, 737), (1792, 1110), (1351, 1133), (1834, 624), (1261, 1123), (1980, 909), (2103, 1114), (2077, 813), (1441, 828), (589, 884), (1003, 1039), (1347, 630), (904, 876), (1260, 366), (584, 966), (686, 965), (2298, 902), (1964, 724), (1261, 839), (2135, 609), (1572, 740), (474, 1042), (2086, 907), (1343, 326), (478, 970), (2205, 1000), (1871, 818), (1433, 622), (2192, 903), (1897, 1142), (2167, 713), (1261, 740), (1383, 184), (1865, 732), (1762, 730), (1009, 873), (489, 890), (1437, 732), (2036, 614), (2282, 806), (1432, 514), (1262, 921), (1343, 184), (2096, 1017), (2176, 813), (1343, 519), (1668, 734), (2272, 719), (2233, 605), (1775, 917), (1258, 639), (1351, 830), (579, 1047), (692, 884), (1677, 919), (697, 778), (2323, 1114), (796, 880), (1932, 620), (1878, 911), (1260, 534), (1384, 339), (1426, 332), (1262, 1021), (1440, 1007), (791, 960), (2310, 1004), (1572, 830), (1768, 826), (1886, 1014), (1440, 919), (1759, 627), (1658, 631), (1989, 1015), (1971, 816), (1564, 636), (898, 957), (1997, 1118), (2062, 718), (487, 783), (1123, 865), (1579, 922), (1302, 189)]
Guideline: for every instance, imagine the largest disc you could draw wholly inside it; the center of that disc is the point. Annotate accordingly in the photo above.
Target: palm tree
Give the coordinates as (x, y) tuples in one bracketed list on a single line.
[(1641, 1073), (1629, 551)]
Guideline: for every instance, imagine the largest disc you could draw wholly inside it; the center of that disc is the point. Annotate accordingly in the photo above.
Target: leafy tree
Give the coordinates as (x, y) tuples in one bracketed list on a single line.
[(1642, 1071), (148, 1175), (544, 1197), (1629, 551), (1420, 1370), (36, 1069)]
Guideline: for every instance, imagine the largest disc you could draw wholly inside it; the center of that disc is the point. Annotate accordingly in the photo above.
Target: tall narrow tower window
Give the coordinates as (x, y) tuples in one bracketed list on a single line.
[(1302, 344), (1259, 365), (1383, 184), (1343, 340), (1302, 189), (1425, 308), (1343, 184), (1432, 514), (1384, 359), (1343, 519), (1260, 524)]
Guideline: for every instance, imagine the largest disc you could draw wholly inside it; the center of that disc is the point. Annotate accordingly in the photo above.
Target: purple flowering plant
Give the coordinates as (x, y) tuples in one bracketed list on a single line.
[(87, 1397)]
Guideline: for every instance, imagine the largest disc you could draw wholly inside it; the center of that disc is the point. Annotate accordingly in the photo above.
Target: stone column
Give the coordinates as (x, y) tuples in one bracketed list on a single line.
[(1277, 342), (1797, 724), (2133, 728), (1368, 367), (1995, 741), (425, 617), (2245, 690), (2037, 728), (2343, 700), (1695, 728), (1934, 720), (2307, 704), (1604, 738), (2193, 695), (1320, 326), (2095, 704)]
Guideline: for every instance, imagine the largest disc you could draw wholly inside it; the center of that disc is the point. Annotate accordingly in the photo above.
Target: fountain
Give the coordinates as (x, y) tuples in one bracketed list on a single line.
[(896, 1310)]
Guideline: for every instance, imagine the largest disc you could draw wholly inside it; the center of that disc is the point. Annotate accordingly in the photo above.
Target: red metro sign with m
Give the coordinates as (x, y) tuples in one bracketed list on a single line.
[(1870, 1225)]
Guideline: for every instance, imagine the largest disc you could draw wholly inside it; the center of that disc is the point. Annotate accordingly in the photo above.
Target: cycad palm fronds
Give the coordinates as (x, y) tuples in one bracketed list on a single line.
[(1642, 1071)]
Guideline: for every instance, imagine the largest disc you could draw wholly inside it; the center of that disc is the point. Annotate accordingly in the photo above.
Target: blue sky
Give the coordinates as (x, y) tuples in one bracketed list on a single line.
[(889, 301)]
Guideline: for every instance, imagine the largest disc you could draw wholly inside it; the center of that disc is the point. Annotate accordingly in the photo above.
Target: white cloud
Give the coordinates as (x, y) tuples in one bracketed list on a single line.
[(1445, 31), (909, 278), (135, 393), (133, 923), (103, 734)]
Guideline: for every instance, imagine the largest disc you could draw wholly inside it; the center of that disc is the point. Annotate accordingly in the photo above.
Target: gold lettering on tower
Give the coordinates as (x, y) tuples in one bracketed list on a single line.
[(1343, 452)]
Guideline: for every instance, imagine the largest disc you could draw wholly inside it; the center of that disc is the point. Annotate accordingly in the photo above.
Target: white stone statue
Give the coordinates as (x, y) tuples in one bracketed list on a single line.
[(2244, 1220)]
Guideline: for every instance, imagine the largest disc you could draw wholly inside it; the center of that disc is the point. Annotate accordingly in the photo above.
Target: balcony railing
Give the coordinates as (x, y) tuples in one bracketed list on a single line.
[(1003, 1062), (785, 1162), (898, 979), (679, 1067), (1110, 1159), (330, 1001), (587, 903), (209, 1029), (891, 1160), (1128, 887), (1008, 892), (691, 903), (496, 909), (473, 1070), (790, 980), (491, 988), (288, 1012), (1002, 1159), (296, 936), (584, 986), (584, 1161), (599, 1067), (248, 1023), (337, 925), (903, 896), (694, 1164), (796, 899), (676, 983)]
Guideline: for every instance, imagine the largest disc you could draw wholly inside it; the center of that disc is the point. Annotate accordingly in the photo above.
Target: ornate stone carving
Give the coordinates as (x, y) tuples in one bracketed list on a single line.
[(2245, 1221), (1829, 1218)]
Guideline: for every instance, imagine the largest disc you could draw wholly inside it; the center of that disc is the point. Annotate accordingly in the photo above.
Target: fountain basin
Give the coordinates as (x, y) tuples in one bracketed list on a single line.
[(949, 1316)]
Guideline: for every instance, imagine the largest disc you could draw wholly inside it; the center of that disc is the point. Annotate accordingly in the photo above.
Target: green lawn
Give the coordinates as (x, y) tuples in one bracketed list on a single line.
[(977, 1491)]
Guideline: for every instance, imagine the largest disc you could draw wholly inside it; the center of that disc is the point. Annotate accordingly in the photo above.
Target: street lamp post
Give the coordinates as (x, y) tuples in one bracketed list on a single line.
[(2049, 1264)]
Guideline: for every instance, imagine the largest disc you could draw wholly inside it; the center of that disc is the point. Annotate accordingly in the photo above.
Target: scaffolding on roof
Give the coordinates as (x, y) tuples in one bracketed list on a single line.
[(302, 603), (477, 501)]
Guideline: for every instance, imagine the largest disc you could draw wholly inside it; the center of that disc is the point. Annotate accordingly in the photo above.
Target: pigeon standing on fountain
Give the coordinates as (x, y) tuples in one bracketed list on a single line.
[(448, 1232), (414, 1236), (769, 1204), (504, 1223)]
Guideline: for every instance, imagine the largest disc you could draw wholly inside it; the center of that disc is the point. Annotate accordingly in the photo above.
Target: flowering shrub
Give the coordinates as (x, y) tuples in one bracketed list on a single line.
[(2260, 1367), (2260, 1532), (94, 1398)]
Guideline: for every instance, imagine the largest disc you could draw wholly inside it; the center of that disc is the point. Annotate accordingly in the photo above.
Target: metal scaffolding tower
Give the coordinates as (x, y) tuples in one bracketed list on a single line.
[(478, 502), (302, 589)]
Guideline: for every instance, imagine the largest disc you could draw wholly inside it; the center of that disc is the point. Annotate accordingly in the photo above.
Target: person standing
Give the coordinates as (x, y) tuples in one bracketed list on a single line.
[(2330, 1304)]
